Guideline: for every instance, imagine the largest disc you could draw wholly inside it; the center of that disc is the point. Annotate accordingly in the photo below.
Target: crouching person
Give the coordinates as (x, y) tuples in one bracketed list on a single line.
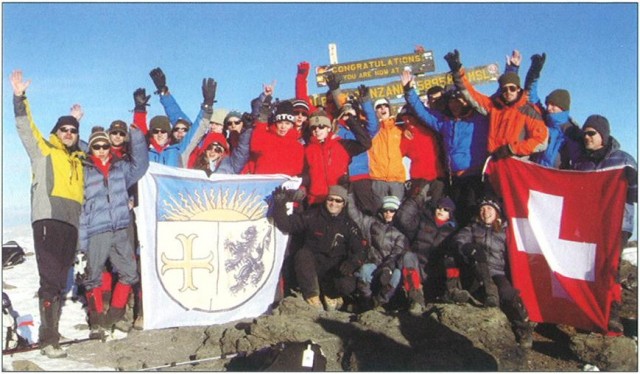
[(482, 251), (104, 221), (333, 248), (380, 276)]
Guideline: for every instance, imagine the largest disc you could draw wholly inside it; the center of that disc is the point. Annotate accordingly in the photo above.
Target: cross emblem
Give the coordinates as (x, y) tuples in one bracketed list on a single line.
[(187, 263)]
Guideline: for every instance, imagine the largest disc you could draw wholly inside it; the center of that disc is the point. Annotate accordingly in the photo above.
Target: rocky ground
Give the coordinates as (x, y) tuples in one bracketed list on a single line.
[(446, 337)]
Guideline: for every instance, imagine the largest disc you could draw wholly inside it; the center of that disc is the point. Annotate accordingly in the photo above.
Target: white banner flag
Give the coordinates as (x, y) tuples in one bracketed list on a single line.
[(210, 253)]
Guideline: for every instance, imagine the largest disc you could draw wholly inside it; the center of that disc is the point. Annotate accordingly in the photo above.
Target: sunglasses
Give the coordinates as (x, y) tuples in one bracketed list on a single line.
[(335, 200), (590, 133), (72, 130), (509, 88), (235, 123), (181, 129), (159, 131), (389, 210), (321, 127), (300, 113), (118, 133), (216, 149), (97, 147), (445, 209)]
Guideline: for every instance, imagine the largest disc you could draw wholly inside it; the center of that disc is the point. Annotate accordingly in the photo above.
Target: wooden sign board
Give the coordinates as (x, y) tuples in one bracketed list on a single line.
[(382, 67), (476, 75)]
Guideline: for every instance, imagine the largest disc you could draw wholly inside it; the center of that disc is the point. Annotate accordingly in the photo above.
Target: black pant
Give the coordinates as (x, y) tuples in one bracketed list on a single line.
[(55, 245), (318, 274)]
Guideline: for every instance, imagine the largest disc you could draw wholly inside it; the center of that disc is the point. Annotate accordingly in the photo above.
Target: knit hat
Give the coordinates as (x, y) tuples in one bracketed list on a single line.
[(213, 138), (434, 90), (184, 122), (390, 202), (98, 135), (509, 78), (559, 98), (338, 190), (160, 122), (233, 113), (319, 118), (219, 115), (300, 105), (600, 124), (66, 120), (447, 203), (284, 112), (491, 202), (382, 101), (118, 125)]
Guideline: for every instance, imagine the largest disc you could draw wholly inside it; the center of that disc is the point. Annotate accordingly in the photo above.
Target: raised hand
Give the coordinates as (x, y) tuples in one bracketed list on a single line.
[(515, 59), (406, 78), (76, 111), (19, 86), (453, 60), (159, 80), (209, 86), (303, 68), (141, 100)]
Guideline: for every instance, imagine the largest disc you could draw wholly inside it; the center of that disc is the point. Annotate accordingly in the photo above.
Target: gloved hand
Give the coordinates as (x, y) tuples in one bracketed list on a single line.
[(303, 68), (453, 60), (537, 62), (363, 93), (502, 152), (209, 86), (347, 268), (280, 196), (141, 100), (160, 81), (332, 81), (247, 119), (296, 195)]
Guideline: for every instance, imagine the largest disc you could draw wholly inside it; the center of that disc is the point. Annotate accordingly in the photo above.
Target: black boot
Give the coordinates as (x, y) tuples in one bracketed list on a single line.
[(519, 317), (96, 325), (491, 299), (454, 292), (115, 315), (49, 337)]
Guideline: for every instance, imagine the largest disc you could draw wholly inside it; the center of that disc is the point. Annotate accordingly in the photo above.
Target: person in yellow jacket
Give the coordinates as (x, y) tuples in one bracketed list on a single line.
[(57, 194), (385, 158)]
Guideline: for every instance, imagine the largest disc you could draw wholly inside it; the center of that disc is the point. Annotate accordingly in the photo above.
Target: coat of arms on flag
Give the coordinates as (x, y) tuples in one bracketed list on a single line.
[(210, 253), (563, 239)]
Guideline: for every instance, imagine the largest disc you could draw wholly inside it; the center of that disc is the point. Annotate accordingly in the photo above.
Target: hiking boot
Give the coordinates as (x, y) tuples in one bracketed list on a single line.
[(315, 302), (491, 301), (52, 351), (524, 335), (123, 325), (138, 324), (97, 333), (458, 296), (332, 304)]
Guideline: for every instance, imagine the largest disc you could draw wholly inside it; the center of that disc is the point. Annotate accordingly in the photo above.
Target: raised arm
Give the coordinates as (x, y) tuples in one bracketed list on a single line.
[(29, 134), (411, 97), (481, 103), (531, 80), (302, 92)]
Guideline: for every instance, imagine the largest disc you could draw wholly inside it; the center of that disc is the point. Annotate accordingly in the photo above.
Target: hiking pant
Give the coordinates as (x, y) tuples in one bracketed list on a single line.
[(116, 246), (55, 245), (317, 273)]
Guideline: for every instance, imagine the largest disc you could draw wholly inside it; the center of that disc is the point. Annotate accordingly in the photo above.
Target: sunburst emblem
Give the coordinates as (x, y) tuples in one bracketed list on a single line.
[(215, 205)]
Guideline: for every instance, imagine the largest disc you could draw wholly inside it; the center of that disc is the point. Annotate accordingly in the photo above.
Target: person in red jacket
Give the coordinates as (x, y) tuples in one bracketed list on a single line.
[(516, 128), (327, 156), (275, 148)]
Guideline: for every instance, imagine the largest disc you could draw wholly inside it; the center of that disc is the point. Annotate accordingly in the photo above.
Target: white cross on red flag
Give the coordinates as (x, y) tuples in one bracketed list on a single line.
[(563, 239)]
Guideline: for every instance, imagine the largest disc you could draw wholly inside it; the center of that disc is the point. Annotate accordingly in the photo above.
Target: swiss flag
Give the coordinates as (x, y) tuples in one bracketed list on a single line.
[(563, 239)]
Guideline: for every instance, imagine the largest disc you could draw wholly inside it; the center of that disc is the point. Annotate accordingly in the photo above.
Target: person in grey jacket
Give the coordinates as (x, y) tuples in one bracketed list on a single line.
[(104, 221)]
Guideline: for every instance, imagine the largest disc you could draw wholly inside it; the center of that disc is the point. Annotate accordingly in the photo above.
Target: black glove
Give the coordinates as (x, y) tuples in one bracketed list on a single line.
[(141, 100), (209, 86), (347, 268), (296, 195), (279, 196), (453, 59), (363, 93), (537, 62), (502, 152), (159, 80), (247, 119), (332, 81)]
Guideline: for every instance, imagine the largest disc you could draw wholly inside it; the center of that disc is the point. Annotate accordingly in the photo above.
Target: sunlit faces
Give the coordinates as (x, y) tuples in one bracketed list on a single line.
[(320, 132), (510, 92), (117, 137), (101, 150), (179, 131), (488, 214), (383, 111), (216, 127), (68, 135), (443, 214), (234, 124), (551, 108), (301, 116), (387, 214), (214, 151), (334, 204), (160, 136), (283, 127), (592, 139)]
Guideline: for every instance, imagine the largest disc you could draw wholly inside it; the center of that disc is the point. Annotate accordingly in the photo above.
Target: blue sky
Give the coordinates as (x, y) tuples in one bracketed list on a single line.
[(98, 54)]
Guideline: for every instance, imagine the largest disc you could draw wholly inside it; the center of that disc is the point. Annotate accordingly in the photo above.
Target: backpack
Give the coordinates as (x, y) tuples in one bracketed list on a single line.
[(12, 254), (10, 337)]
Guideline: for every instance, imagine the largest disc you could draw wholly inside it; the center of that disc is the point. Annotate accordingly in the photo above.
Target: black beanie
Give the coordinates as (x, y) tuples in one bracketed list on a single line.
[(65, 120), (284, 112), (509, 78), (559, 98), (600, 124)]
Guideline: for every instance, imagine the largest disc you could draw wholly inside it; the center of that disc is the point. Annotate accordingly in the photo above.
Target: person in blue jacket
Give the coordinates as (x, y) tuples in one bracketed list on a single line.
[(464, 136)]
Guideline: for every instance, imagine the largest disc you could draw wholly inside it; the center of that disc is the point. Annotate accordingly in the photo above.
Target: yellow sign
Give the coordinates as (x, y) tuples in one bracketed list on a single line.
[(477, 75), (381, 67)]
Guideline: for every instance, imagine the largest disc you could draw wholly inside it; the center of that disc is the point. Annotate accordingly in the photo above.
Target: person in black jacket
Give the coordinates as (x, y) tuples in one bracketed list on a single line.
[(333, 247)]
